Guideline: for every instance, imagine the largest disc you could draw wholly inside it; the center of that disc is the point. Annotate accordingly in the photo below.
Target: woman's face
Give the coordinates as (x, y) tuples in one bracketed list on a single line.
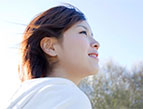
[(78, 54)]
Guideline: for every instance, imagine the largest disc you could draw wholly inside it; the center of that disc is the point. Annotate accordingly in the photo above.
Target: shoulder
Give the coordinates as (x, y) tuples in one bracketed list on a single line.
[(61, 94), (53, 93)]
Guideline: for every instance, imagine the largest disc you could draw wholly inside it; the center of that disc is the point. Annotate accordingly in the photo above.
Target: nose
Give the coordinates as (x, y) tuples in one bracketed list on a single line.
[(95, 44)]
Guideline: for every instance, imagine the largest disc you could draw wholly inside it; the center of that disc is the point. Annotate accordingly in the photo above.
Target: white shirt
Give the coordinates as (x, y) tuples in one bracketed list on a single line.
[(49, 93)]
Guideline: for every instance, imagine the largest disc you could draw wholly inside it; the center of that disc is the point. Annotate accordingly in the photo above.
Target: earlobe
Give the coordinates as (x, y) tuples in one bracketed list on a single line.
[(47, 45)]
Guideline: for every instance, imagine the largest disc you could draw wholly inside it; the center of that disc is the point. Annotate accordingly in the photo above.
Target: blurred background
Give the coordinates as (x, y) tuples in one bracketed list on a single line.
[(116, 24)]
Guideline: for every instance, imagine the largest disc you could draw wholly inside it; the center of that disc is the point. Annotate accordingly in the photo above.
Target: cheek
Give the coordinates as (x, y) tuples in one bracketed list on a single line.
[(76, 51), (77, 46)]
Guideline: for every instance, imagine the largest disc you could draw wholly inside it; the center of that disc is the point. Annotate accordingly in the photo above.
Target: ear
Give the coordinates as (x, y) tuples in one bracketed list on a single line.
[(47, 45)]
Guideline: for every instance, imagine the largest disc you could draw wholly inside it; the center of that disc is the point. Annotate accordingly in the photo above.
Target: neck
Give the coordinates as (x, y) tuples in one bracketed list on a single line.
[(62, 74)]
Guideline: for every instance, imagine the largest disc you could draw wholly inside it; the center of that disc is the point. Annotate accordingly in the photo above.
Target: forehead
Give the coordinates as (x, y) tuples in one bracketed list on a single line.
[(81, 24), (78, 27)]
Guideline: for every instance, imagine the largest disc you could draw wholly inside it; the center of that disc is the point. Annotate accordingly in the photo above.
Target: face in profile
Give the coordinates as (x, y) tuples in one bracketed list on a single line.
[(78, 53)]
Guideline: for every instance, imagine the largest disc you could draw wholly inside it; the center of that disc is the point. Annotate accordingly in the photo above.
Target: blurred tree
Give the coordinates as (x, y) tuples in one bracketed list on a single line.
[(114, 87)]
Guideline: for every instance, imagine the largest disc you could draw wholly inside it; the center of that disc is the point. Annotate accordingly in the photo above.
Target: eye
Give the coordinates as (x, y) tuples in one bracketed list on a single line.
[(83, 32)]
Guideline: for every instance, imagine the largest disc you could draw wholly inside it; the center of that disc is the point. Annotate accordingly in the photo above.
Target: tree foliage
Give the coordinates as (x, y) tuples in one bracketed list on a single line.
[(115, 87)]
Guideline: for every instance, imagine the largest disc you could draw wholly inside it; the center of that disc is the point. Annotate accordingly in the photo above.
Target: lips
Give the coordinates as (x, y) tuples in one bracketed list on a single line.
[(93, 54)]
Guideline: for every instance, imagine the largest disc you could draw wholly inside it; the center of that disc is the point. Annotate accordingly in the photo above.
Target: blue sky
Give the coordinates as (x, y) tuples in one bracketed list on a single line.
[(116, 24)]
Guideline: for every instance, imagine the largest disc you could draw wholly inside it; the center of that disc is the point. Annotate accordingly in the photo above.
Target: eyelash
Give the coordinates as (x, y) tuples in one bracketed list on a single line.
[(83, 32)]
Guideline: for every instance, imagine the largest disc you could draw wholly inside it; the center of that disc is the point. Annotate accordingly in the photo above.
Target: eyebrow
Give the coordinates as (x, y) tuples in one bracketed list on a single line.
[(84, 28)]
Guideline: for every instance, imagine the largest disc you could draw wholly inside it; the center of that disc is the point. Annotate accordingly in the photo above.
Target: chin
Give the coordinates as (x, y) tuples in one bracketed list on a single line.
[(94, 71)]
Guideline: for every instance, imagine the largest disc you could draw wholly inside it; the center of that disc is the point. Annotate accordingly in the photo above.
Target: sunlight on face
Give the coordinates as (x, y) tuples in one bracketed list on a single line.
[(79, 54)]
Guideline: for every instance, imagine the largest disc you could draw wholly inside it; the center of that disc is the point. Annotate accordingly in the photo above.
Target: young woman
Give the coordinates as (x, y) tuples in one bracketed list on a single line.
[(57, 51)]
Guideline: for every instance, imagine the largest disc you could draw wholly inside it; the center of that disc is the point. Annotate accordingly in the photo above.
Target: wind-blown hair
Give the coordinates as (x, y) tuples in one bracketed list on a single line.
[(51, 23)]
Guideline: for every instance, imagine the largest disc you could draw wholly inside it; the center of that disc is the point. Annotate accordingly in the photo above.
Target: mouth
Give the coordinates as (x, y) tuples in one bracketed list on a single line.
[(93, 55)]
